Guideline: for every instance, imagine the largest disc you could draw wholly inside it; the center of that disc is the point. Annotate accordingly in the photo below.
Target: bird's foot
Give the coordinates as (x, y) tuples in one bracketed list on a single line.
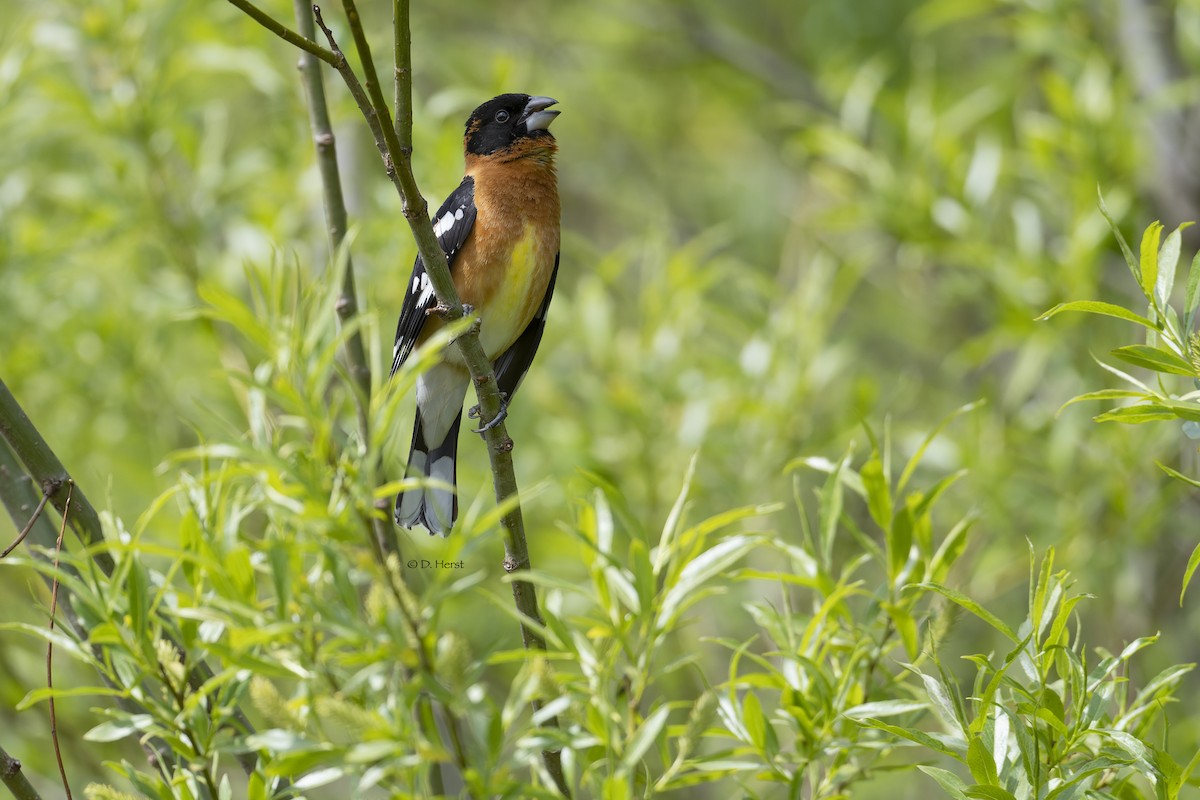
[(474, 413)]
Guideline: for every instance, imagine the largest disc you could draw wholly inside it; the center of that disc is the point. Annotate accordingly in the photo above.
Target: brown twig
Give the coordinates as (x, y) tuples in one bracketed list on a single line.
[(37, 512), (62, 770), (282, 31)]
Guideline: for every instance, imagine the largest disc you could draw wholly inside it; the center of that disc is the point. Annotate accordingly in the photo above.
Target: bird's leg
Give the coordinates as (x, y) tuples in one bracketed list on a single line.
[(474, 413)]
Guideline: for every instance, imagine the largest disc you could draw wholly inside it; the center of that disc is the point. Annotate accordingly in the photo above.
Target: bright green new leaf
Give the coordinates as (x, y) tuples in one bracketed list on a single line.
[(970, 605), (1168, 261), (950, 783), (1149, 259), (1192, 295), (1099, 307), (879, 498), (988, 792), (1154, 358), (644, 738), (1125, 251), (1135, 415), (979, 762), (1193, 562)]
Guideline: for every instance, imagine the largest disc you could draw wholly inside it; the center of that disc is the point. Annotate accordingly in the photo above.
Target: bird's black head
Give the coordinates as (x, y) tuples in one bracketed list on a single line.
[(507, 120)]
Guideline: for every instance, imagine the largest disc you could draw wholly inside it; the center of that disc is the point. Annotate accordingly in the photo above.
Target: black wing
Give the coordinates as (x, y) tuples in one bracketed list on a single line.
[(452, 223), (514, 362)]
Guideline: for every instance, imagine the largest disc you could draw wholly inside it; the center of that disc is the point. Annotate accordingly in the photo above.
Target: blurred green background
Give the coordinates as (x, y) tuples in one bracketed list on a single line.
[(781, 219)]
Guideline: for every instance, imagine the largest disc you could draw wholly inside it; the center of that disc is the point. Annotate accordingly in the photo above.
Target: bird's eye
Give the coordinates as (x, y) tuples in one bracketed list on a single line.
[(502, 116)]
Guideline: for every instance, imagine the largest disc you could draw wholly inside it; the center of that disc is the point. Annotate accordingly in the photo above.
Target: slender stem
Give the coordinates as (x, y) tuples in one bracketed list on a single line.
[(14, 779), (282, 31), (402, 56), (37, 513), (62, 769), (336, 220)]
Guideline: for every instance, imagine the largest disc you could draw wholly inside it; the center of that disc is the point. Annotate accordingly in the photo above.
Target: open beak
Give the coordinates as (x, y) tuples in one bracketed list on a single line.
[(536, 115)]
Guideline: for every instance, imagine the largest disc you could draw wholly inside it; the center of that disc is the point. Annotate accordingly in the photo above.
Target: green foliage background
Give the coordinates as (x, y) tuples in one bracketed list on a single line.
[(781, 220)]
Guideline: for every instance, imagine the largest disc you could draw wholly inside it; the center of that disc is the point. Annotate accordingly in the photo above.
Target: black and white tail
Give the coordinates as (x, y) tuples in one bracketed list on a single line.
[(433, 507)]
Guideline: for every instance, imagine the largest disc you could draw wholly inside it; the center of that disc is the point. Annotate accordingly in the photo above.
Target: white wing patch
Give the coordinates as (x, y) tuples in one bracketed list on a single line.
[(444, 224), (426, 290)]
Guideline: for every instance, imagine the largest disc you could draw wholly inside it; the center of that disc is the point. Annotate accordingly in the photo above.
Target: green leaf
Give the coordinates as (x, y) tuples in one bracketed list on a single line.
[(1136, 415), (915, 460), (1193, 562), (913, 735), (906, 626), (884, 708), (1168, 261), (1154, 358), (44, 693), (646, 733), (110, 731), (988, 792), (1149, 258), (1179, 476), (1103, 394), (970, 605), (1099, 307), (1192, 296), (1129, 259), (752, 719), (701, 569), (950, 783), (879, 498), (899, 542)]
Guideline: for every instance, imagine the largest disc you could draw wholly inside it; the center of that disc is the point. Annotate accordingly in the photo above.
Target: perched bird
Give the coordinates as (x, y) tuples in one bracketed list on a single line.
[(500, 232)]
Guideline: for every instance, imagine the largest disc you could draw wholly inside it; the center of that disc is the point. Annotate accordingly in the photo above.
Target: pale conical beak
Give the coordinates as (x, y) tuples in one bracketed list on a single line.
[(536, 115)]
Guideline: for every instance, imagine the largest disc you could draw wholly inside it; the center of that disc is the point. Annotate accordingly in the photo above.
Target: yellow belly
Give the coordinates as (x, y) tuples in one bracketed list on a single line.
[(516, 297)]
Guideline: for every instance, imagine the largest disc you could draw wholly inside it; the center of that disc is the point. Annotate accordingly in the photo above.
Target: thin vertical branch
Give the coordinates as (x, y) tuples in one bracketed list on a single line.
[(337, 224), (62, 770), (402, 58)]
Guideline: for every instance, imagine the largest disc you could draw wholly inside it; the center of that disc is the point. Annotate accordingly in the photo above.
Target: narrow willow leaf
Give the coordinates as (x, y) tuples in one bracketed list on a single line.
[(979, 761), (1168, 262), (1100, 307), (645, 736), (1149, 259), (700, 570), (1154, 358), (1136, 415), (879, 498), (1193, 562), (1129, 258), (884, 708), (970, 605), (950, 783), (913, 735), (753, 720), (1104, 394), (1192, 296), (988, 792)]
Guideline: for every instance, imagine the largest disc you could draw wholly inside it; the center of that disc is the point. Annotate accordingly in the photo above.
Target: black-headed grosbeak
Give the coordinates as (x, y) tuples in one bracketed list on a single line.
[(500, 232)]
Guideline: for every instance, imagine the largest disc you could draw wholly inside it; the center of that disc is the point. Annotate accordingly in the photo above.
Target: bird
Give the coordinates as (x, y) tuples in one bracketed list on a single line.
[(500, 232)]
